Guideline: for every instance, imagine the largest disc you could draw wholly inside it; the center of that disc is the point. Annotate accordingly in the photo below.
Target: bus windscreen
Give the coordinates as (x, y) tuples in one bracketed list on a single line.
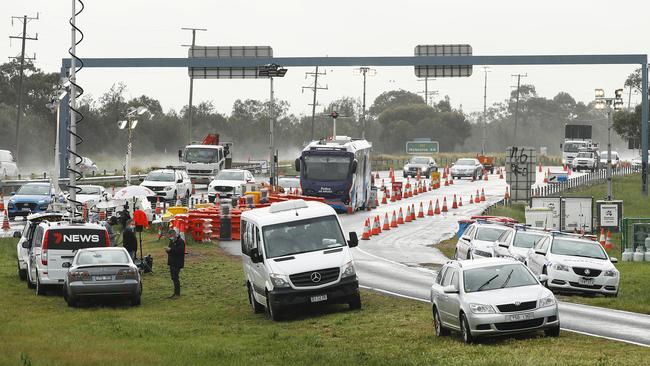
[(327, 167)]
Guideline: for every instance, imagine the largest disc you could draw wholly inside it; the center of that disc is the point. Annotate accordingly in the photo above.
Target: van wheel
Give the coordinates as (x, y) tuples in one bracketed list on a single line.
[(40, 289), (355, 302), (30, 284), (552, 332), (256, 306), (271, 311), (22, 273)]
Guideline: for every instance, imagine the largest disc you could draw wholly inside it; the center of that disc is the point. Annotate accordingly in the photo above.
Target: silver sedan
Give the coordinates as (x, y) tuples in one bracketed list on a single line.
[(102, 272), (489, 297)]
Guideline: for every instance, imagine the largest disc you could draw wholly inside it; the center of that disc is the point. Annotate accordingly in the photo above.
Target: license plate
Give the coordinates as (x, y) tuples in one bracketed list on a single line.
[(586, 281), (319, 298), (103, 278), (25, 209), (517, 317)]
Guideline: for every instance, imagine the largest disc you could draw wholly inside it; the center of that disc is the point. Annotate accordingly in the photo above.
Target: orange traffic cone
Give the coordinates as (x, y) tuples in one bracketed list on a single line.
[(568, 172), (451, 180), (460, 201), (408, 214), (393, 197), (444, 204), (378, 224), (193, 189), (477, 198), (5, 222), (375, 226), (393, 220), (507, 195), (366, 230), (430, 210), (454, 204), (608, 241), (446, 181), (386, 223), (387, 192), (437, 210), (482, 195), (421, 212), (158, 209), (444, 174), (400, 218), (485, 176), (601, 239), (412, 212), (500, 173), (383, 199), (417, 176), (2, 203), (545, 177), (471, 199)]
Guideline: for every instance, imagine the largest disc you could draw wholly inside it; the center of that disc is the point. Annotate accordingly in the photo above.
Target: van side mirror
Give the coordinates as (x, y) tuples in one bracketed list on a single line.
[(353, 168), (540, 252), (297, 164), (613, 259), (17, 234), (66, 264), (542, 278), (13, 193), (354, 239), (141, 179), (26, 245), (502, 244), (256, 257)]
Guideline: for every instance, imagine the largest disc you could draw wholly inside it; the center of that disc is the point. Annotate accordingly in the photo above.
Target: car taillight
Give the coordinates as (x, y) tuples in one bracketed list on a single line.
[(124, 274), (44, 249), (78, 276)]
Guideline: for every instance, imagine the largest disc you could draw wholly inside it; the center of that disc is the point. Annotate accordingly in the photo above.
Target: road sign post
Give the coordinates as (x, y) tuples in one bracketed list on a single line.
[(520, 172), (422, 147)]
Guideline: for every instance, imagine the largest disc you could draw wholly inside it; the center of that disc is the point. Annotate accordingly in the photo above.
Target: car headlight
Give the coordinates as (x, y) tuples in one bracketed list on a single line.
[(611, 273), (547, 301), (348, 270), (560, 267), (481, 309), (169, 188), (279, 280)]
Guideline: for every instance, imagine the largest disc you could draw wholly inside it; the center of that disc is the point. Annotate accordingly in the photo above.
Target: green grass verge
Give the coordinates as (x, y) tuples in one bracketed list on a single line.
[(635, 289), (212, 324)]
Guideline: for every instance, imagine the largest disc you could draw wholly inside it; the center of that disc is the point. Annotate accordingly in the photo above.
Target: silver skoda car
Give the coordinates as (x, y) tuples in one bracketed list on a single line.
[(492, 296)]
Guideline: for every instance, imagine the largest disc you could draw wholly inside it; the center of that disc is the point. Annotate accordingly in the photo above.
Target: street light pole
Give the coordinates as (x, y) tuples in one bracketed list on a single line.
[(271, 140), (611, 104), (484, 139), (363, 107), (129, 148)]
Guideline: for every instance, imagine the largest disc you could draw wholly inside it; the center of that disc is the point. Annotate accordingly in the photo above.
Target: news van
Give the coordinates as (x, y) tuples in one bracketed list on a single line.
[(55, 243), (294, 254)]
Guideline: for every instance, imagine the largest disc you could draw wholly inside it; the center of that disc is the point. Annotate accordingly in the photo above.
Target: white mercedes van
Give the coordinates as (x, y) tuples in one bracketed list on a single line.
[(294, 254)]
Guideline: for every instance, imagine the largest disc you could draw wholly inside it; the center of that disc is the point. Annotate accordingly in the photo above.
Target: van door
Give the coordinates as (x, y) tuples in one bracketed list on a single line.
[(63, 243), (259, 269), (35, 253)]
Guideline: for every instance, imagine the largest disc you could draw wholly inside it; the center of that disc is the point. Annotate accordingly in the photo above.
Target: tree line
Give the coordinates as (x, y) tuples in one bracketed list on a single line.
[(393, 118)]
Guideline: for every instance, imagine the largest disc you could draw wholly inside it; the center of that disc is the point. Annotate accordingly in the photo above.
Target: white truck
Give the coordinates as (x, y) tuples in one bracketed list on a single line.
[(576, 137), (204, 160), (8, 166)]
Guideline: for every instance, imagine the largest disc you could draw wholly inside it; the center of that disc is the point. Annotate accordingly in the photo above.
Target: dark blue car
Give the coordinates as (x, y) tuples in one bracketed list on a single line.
[(30, 198)]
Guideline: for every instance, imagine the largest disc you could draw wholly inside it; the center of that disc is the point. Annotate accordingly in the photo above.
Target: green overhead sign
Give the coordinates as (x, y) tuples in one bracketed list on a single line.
[(422, 147)]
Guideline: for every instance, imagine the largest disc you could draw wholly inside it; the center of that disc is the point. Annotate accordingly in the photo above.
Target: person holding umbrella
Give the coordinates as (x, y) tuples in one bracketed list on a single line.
[(129, 240), (175, 259)]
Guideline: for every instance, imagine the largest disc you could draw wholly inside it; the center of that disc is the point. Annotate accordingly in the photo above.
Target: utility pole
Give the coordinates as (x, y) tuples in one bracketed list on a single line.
[(363, 71), (24, 37), (190, 111), (484, 139), (314, 88), (519, 76), (426, 93)]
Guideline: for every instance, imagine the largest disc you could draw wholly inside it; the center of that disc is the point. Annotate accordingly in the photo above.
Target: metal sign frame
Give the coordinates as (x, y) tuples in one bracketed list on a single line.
[(622, 59)]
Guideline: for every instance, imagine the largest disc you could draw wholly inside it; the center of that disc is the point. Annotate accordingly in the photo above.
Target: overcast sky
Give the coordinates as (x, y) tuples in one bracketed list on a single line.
[(148, 28)]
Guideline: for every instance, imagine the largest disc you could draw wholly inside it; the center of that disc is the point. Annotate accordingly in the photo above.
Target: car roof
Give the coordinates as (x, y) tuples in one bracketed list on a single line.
[(38, 184), (487, 262), (264, 216), (71, 225)]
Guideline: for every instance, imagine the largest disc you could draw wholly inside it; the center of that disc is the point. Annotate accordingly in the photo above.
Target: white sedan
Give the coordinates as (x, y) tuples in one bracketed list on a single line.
[(574, 264)]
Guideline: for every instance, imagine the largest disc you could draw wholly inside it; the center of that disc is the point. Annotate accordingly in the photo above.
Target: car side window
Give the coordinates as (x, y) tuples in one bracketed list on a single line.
[(447, 279), (441, 273), (454, 279), (546, 244), (470, 232), (38, 238), (256, 243), (245, 244)]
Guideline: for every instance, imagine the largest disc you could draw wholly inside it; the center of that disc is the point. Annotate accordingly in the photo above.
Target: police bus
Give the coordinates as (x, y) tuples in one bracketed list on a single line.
[(337, 170)]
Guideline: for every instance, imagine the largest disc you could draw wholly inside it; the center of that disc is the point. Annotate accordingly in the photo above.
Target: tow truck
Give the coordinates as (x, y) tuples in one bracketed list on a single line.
[(204, 160)]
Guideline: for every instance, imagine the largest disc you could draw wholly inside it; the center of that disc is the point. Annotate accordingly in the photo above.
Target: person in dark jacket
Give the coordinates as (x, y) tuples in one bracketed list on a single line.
[(125, 216), (175, 259), (129, 240)]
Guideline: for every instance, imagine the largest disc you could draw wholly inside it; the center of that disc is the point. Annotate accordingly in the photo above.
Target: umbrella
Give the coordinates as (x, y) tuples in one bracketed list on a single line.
[(133, 192), (110, 204)]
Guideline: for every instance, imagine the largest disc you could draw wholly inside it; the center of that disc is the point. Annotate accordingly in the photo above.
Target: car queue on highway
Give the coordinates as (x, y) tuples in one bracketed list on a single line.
[(499, 282)]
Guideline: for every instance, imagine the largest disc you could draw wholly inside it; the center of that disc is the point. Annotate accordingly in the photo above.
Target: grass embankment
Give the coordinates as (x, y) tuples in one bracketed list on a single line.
[(635, 288), (212, 324)]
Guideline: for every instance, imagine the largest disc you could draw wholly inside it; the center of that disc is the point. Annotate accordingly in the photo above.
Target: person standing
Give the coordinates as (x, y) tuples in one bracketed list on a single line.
[(175, 259), (129, 240)]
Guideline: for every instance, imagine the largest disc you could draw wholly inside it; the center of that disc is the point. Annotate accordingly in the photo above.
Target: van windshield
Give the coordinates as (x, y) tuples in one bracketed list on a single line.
[(302, 236)]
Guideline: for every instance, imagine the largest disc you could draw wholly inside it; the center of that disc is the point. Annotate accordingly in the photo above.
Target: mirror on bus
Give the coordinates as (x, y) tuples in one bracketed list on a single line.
[(297, 164), (353, 167)]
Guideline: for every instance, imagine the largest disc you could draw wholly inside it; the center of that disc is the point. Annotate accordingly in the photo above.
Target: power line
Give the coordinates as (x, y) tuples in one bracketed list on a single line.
[(314, 88), (519, 76), (23, 37), (189, 123)]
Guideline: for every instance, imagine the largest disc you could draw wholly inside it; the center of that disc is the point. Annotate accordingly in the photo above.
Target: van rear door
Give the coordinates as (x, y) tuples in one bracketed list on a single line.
[(63, 243)]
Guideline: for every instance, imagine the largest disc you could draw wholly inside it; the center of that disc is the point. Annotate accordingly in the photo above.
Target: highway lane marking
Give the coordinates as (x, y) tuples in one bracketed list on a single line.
[(419, 268), (605, 337), (393, 293)]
